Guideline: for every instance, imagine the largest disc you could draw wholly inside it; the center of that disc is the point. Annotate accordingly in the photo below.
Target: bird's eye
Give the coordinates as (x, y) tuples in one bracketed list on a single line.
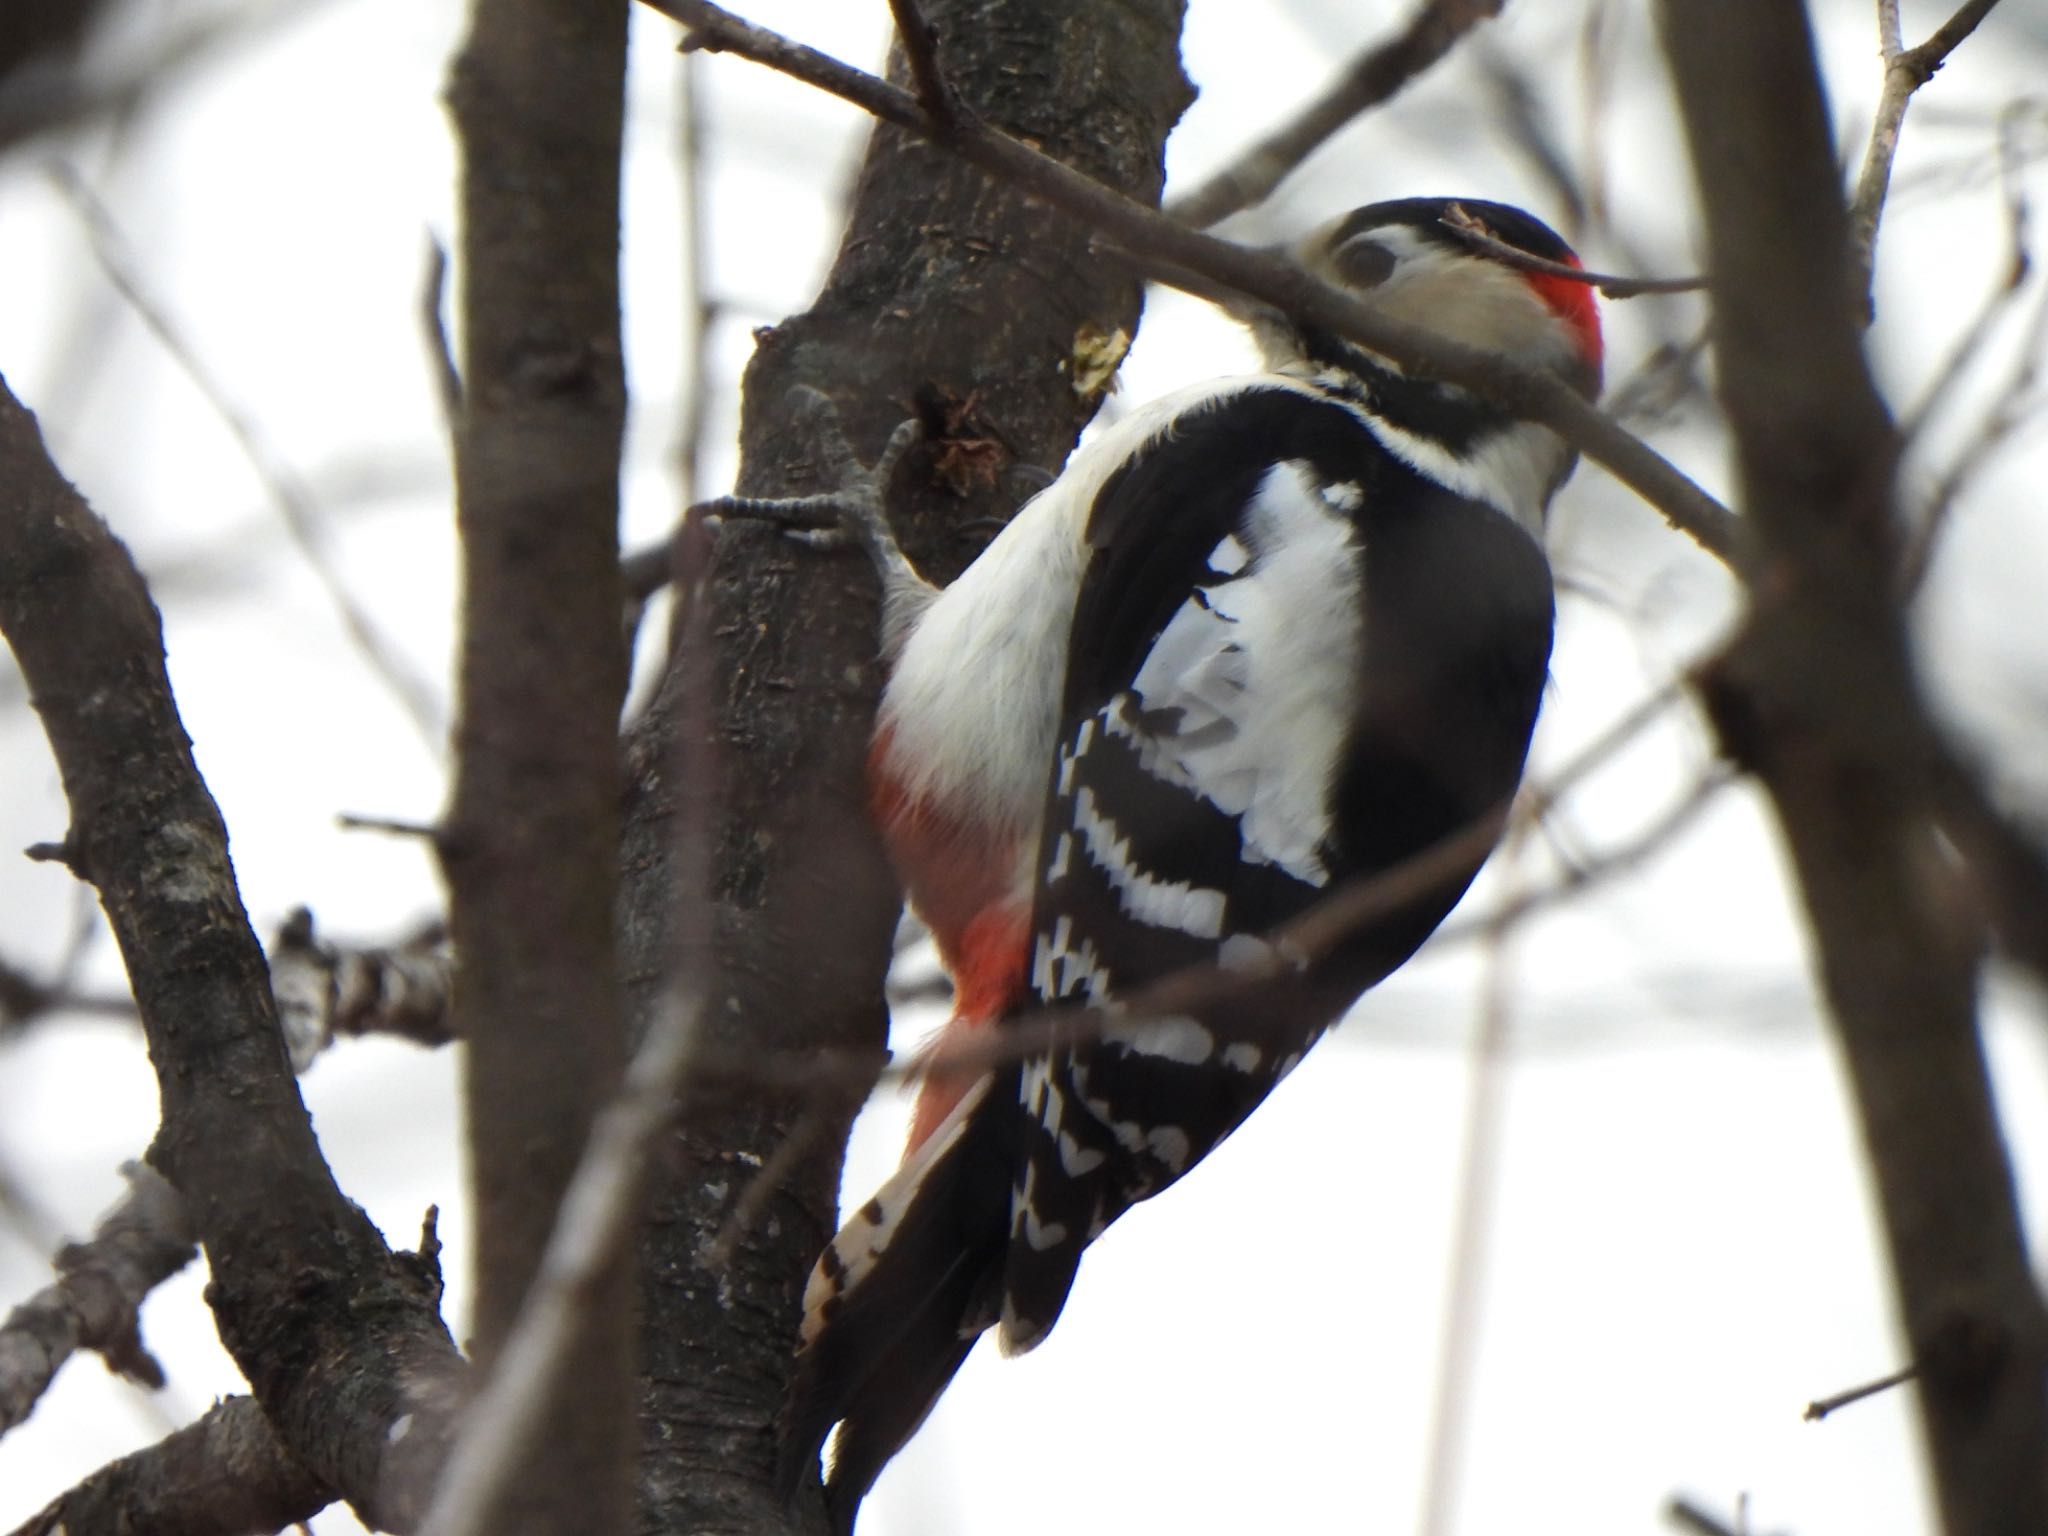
[(1361, 262)]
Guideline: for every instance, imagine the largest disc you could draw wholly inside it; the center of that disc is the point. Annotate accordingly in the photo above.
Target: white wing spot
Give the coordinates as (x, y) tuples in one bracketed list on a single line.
[(1042, 1235), (1169, 1143), (1170, 1039), (1244, 953), (1128, 1133), (1176, 904), (1069, 755), (1061, 851), (1057, 968), (1035, 1085), (1241, 1057), (1078, 1161)]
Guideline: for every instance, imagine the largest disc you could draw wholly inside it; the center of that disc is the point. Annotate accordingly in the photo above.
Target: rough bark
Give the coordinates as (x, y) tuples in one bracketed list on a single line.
[(959, 300), (1817, 696), (225, 1474), (338, 1339), (530, 846), (96, 1300)]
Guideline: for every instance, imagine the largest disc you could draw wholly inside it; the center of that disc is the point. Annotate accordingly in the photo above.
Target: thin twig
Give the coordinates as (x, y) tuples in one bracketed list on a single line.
[(1905, 71), (1688, 1516), (2018, 264), (1597, 64), (1470, 232), (25, 998), (1529, 394), (96, 1302), (699, 306), (1310, 937), (288, 493), (390, 826), (596, 1214), (1664, 380), (1618, 860), (2015, 402), (921, 53), (1372, 78), (602, 1202), (434, 332), (42, 99), (1526, 126), (1821, 1407), (1478, 1182)]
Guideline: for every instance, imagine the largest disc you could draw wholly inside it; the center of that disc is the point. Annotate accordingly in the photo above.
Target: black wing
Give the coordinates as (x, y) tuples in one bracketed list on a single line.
[(1295, 662)]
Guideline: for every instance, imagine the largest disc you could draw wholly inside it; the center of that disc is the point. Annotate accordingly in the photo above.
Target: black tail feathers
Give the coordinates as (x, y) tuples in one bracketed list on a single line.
[(899, 1297)]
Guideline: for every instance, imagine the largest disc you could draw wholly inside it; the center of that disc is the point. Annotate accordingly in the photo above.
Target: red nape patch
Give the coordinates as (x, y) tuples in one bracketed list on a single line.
[(1574, 304)]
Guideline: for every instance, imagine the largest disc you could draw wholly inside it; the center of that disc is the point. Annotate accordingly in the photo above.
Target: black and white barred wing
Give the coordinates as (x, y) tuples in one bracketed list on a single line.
[(1191, 813)]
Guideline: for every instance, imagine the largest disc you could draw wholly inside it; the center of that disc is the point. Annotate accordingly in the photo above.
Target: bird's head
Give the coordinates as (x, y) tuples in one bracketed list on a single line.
[(1445, 265)]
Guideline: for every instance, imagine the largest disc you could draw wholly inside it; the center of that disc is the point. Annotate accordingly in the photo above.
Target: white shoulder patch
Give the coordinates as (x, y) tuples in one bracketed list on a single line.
[(1252, 675)]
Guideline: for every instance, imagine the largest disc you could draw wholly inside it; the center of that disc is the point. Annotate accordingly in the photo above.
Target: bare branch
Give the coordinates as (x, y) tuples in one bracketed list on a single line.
[(1478, 1183), (530, 848), (325, 989), (434, 333), (2017, 400), (1688, 1516), (1821, 1407), (25, 998), (1816, 695), (1375, 76), (1905, 71), (235, 1132), (1473, 233), (44, 97), (225, 1475), (595, 1217), (592, 1227), (97, 1302), (920, 42), (1164, 244)]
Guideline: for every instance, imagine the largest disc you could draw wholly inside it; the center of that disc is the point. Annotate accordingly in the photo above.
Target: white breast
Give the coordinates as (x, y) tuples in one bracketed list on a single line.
[(972, 706)]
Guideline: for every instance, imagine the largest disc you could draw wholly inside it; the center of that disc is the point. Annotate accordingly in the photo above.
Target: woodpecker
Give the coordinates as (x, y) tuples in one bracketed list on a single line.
[(1262, 639)]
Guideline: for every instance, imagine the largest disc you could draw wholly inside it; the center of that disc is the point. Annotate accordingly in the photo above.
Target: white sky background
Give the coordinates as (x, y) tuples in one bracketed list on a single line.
[(1682, 1253)]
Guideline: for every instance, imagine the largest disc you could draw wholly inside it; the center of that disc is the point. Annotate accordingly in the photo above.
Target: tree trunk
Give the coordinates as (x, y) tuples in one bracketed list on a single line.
[(957, 300)]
